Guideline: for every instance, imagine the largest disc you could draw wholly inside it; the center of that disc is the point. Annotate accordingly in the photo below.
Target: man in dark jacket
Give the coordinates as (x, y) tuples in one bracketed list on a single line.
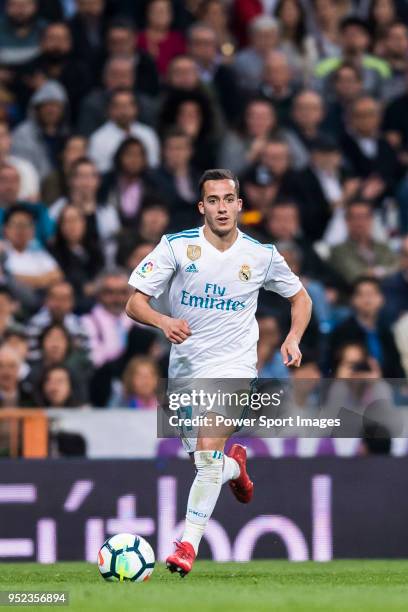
[(365, 326), (217, 77), (282, 224), (319, 187), (88, 27), (118, 73), (121, 41), (366, 150), (57, 62)]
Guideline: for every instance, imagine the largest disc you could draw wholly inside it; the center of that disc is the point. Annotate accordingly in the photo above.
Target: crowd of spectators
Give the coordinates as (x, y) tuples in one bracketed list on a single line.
[(109, 112)]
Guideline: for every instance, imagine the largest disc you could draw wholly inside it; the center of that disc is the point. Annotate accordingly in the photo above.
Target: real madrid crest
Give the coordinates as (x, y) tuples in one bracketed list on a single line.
[(193, 252), (245, 273)]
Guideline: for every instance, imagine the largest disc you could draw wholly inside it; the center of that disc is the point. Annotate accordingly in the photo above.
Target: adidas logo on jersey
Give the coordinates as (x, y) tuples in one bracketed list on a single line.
[(192, 268)]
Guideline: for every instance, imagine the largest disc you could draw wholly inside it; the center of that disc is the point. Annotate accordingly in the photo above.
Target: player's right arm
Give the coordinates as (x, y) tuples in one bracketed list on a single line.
[(150, 279), (139, 309)]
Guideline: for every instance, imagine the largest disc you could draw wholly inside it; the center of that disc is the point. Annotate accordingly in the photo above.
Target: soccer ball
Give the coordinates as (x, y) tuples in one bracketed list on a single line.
[(126, 557)]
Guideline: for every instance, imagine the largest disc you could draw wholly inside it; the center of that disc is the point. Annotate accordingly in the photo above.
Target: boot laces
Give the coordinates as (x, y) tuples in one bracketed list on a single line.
[(181, 551)]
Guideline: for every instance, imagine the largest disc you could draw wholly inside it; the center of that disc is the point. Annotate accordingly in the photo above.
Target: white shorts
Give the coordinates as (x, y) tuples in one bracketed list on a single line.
[(227, 397)]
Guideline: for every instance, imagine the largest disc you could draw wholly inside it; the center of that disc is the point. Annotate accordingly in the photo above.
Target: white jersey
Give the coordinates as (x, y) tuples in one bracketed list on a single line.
[(216, 292)]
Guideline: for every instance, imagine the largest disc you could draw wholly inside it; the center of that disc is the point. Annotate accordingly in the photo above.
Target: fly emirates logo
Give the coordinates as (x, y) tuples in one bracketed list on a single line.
[(215, 298)]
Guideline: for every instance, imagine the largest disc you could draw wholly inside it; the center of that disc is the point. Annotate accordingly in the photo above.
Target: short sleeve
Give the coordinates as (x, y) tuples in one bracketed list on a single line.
[(46, 263), (280, 278), (154, 272)]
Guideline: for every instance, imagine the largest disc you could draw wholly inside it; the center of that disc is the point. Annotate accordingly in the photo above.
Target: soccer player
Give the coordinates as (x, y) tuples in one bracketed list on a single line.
[(213, 274)]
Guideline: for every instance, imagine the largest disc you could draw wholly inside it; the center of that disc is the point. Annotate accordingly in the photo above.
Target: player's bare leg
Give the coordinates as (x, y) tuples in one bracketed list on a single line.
[(214, 468)]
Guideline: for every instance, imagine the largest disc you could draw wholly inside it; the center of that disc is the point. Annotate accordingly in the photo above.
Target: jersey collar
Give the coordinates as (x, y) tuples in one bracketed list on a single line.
[(233, 245)]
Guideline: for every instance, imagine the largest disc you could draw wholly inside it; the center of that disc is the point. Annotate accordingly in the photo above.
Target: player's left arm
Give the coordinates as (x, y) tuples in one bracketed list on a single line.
[(280, 278), (301, 311)]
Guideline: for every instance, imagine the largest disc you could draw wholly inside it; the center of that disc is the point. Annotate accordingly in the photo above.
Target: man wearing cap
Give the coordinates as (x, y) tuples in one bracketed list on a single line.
[(260, 190), (40, 138)]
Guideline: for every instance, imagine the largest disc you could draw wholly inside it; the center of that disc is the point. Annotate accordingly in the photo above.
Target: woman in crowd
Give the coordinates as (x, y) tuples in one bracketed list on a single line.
[(192, 112), (55, 185), (129, 183), (57, 388), (326, 16), (177, 180), (57, 349), (214, 13), (158, 38), (102, 218), (139, 385), (383, 13), (78, 253), (242, 147), (153, 223), (299, 47)]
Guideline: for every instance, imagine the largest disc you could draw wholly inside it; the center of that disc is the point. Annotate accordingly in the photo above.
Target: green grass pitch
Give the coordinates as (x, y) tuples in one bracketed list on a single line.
[(278, 586)]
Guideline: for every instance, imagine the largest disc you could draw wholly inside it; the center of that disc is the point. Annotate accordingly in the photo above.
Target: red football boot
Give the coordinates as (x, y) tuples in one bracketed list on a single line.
[(242, 487), (182, 559)]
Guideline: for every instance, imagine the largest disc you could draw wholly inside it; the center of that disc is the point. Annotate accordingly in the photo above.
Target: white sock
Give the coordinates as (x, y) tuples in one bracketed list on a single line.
[(231, 469), (203, 495), (193, 533)]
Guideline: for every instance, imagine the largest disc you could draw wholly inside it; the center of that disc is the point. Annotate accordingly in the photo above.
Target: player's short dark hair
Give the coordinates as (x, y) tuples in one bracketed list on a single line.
[(363, 280), (218, 174)]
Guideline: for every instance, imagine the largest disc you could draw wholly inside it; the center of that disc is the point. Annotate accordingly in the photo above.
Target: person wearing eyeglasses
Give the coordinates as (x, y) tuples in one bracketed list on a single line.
[(107, 325), (29, 265)]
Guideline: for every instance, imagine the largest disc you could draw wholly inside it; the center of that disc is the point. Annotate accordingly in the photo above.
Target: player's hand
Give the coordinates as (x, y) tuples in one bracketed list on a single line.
[(292, 357), (175, 330)]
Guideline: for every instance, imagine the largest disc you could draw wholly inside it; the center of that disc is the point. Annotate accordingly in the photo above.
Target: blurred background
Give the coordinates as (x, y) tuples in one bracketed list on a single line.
[(109, 112)]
